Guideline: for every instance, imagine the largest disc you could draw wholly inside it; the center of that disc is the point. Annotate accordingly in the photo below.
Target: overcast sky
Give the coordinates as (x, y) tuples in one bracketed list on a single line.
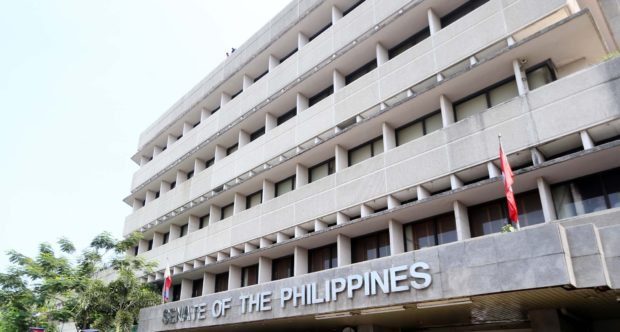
[(79, 81)]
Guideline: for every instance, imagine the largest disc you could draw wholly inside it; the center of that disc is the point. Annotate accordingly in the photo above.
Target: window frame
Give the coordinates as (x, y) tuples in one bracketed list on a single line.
[(333, 254), (286, 116), (248, 199), (372, 149), (360, 72), (227, 206), (317, 97), (327, 161), (292, 177), (421, 119), (376, 236), (274, 266)]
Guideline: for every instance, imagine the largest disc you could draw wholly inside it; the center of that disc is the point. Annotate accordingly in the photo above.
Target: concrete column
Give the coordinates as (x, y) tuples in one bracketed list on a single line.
[(240, 203), (164, 187), (302, 40), (301, 175), (247, 81), (434, 22), (186, 289), (171, 139), (150, 196), (175, 232), (181, 177), (264, 242), (220, 153), (339, 80), (546, 200), (537, 156), (187, 127), (397, 237), (586, 140), (455, 182), (204, 114), (392, 202), (143, 160), (366, 210), (281, 237), (462, 221), (193, 223), (137, 204), (273, 62), (302, 102), (493, 170), (270, 122), (546, 320), (342, 218), (244, 138), (447, 112), (343, 245), (382, 54), (389, 137), (199, 166), (264, 270), (143, 246), (336, 14), (269, 190), (423, 193), (158, 239), (224, 99), (234, 252), (300, 264), (208, 283), (319, 225), (342, 158), (157, 150), (299, 231), (215, 214), (520, 77), (234, 277), (247, 247)]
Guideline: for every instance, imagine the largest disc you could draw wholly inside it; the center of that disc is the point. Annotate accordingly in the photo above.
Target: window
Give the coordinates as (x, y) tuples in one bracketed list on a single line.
[(282, 268), (157, 194), (221, 282), (260, 132), (365, 151), (176, 292), (196, 124), (587, 194), (235, 94), (150, 244), (232, 149), (418, 128), (209, 163), (190, 174), (215, 110), (361, 71), (254, 199), (173, 184), (228, 210), (197, 287), (166, 238), (430, 232), (502, 91), (184, 229), (322, 258), (287, 116), (135, 251), (409, 42), (316, 34), (249, 275), (461, 11), (367, 247), (261, 76), (490, 217), (288, 55), (204, 221), (285, 186), (322, 170), (321, 95), (348, 10), (179, 137)]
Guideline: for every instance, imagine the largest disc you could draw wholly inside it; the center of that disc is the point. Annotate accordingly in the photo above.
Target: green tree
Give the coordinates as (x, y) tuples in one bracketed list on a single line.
[(66, 287)]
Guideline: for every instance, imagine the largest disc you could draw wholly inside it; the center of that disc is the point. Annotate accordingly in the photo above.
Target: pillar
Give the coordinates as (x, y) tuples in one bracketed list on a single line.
[(383, 55), (137, 204), (150, 195), (224, 99), (273, 62), (215, 214), (247, 81), (586, 140), (341, 218), (392, 202), (244, 138), (300, 231), (493, 170), (264, 269), (193, 224), (234, 277), (342, 158), (164, 187), (143, 160), (537, 156), (300, 263), (462, 221), (336, 14), (301, 175), (338, 80), (181, 177), (247, 247), (239, 203), (186, 289), (546, 200), (171, 139), (270, 122), (397, 237), (158, 239), (366, 210), (208, 283), (343, 246), (269, 190), (447, 112), (157, 150), (199, 166), (143, 246), (434, 23), (175, 232), (220, 152), (302, 40), (455, 182), (422, 193), (389, 137), (204, 114), (302, 103), (319, 225), (520, 77)]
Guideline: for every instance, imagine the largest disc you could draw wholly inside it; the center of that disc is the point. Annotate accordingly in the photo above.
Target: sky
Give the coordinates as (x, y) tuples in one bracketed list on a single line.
[(79, 81)]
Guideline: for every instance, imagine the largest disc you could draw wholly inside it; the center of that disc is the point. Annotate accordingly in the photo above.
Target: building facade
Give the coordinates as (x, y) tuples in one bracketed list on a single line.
[(339, 172)]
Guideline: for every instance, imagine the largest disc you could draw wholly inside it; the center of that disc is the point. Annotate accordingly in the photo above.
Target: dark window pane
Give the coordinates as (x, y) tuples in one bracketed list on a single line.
[(361, 71), (529, 208), (611, 180), (370, 246), (232, 149), (322, 258), (183, 230), (353, 6), (257, 134), (249, 275), (287, 116), (409, 42), (461, 11), (446, 228), (285, 186), (221, 282), (197, 287), (204, 221), (228, 210), (424, 234), (176, 292), (486, 218), (321, 95), (282, 268), (166, 238), (150, 245)]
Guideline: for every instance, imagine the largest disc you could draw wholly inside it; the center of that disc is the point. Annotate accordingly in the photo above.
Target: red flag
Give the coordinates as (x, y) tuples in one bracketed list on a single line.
[(508, 181), (165, 292)]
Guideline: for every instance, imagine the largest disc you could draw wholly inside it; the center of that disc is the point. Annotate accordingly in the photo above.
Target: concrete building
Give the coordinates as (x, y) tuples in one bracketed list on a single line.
[(339, 172)]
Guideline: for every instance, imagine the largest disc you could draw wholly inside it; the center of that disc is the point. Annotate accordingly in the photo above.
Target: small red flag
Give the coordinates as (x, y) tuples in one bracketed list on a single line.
[(508, 181)]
